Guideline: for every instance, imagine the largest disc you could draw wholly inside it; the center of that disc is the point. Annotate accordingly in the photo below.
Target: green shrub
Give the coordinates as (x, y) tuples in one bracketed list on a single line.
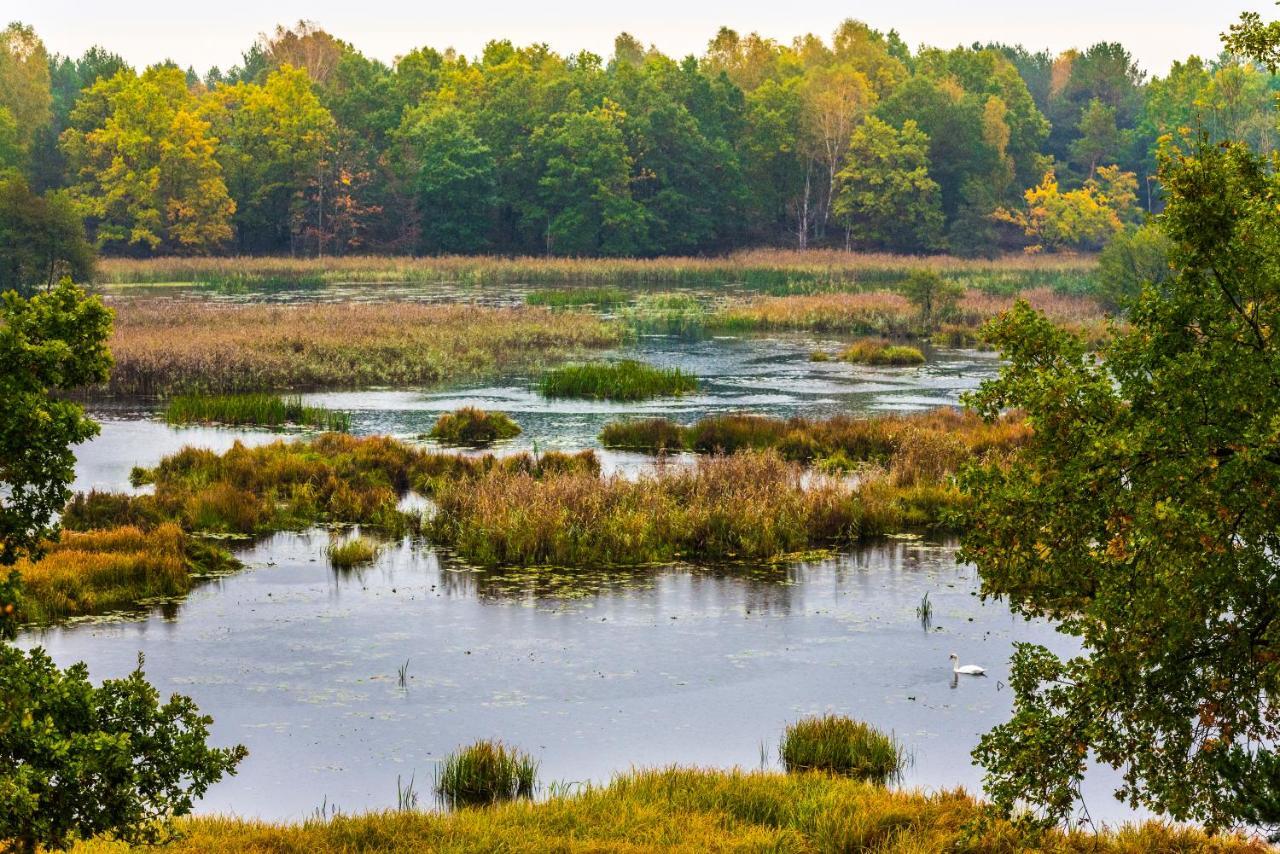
[(840, 745), (485, 773), (474, 427), (624, 380), (871, 351)]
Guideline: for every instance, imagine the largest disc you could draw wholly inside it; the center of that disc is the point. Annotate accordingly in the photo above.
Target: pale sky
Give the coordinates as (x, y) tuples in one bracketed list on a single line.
[(206, 34)]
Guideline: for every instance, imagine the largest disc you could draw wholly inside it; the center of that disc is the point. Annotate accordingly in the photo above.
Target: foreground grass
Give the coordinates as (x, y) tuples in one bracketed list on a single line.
[(96, 572), (764, 268), (164, 347), (694, 810), (261, 410), (624, 380)]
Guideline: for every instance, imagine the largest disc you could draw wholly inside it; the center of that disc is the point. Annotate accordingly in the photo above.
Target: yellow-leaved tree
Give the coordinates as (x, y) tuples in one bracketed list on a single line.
[(1085, 218)]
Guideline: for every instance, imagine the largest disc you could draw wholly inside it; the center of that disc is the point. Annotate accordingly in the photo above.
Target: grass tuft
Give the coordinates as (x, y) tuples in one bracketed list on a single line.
[(654, 435), (474, 427), (624, 380), (260, 410), (601, 297), (840, 745), (485, 773), (352, 552), (870, 351)]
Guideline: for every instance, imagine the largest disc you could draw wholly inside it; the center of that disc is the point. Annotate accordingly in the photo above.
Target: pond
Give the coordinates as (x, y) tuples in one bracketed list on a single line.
[(593, 673)]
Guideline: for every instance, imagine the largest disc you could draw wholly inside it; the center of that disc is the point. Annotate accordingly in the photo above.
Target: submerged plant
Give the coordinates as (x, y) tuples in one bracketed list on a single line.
[(841, 745), (474, 427), (624, 380), (484, 773)]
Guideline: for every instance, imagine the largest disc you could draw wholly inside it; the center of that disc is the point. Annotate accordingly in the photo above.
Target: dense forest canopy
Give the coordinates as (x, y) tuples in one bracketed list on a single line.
[(307, 146)]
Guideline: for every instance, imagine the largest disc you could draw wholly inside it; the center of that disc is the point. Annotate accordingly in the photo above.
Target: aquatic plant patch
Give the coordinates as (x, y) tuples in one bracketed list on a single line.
[(623, 380), (872, 351), (841, 745), (474, 427), (260, 410)]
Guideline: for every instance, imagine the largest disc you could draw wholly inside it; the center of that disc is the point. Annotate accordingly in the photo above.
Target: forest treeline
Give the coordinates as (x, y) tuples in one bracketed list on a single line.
[(307, 146)]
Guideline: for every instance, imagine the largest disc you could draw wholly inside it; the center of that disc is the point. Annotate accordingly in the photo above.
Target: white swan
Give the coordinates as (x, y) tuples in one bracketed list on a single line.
[(968, 669)]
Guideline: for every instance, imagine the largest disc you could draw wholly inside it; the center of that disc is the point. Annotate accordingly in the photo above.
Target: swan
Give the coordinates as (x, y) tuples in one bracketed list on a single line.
[(968, 669)]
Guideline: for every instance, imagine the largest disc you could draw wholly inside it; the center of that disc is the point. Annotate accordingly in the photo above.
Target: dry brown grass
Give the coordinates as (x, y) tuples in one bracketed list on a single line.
[(164, 346), (93, 572), (756, 266)]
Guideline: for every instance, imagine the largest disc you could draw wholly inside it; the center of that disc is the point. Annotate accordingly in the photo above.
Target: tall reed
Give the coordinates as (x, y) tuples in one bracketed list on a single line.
[(484, 773), (841, 745), (262, 410), (623, 380)]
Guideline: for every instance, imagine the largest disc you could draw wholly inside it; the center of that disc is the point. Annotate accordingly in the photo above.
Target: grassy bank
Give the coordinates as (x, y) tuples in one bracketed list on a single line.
[(164, 347), (694, 810), (96, 572), (260, 410), (779, 269), (888, 314)]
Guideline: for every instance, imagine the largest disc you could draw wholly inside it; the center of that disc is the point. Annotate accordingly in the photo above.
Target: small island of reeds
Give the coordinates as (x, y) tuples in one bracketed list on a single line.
[(622, 380), (255, 409), (474, 427)]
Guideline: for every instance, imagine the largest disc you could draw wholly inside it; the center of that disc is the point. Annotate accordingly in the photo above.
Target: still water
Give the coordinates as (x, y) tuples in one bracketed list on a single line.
[(593, 673)]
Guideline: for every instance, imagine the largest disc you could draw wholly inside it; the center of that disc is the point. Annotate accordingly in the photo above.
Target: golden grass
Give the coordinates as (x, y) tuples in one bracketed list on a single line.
[(874, 351), (94, 572), (890, 314), (756, 266), (689, 810), (163, 346)]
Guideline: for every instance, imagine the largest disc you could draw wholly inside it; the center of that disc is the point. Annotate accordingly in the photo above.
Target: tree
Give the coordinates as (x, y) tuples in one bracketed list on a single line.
[(933, 295), (54, 341), (41, 239), (24, 81), (885, 197), (583, 203), (75, 760), (144, 160), (1142, 517), (1085, 218), (1132, 261), (1099, 139)]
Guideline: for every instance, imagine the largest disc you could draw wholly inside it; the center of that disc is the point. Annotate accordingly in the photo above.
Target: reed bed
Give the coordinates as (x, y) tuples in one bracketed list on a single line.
[(260, 410), (876, 351), (679, 314), (486, 772), (623, 380), (938, 440), (694, 810), (474, 427), (164, 346), (766, 268), (841, 745), (890, 315), (95, 572), (752, 505)]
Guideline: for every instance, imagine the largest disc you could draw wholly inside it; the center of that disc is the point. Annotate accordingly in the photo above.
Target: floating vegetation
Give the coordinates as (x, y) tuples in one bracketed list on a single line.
[(623, 380), (260, 410), (575, 297), (164, 346), (869, 351), (841, 745), (474, 427), (352, 552), (484, 773)]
